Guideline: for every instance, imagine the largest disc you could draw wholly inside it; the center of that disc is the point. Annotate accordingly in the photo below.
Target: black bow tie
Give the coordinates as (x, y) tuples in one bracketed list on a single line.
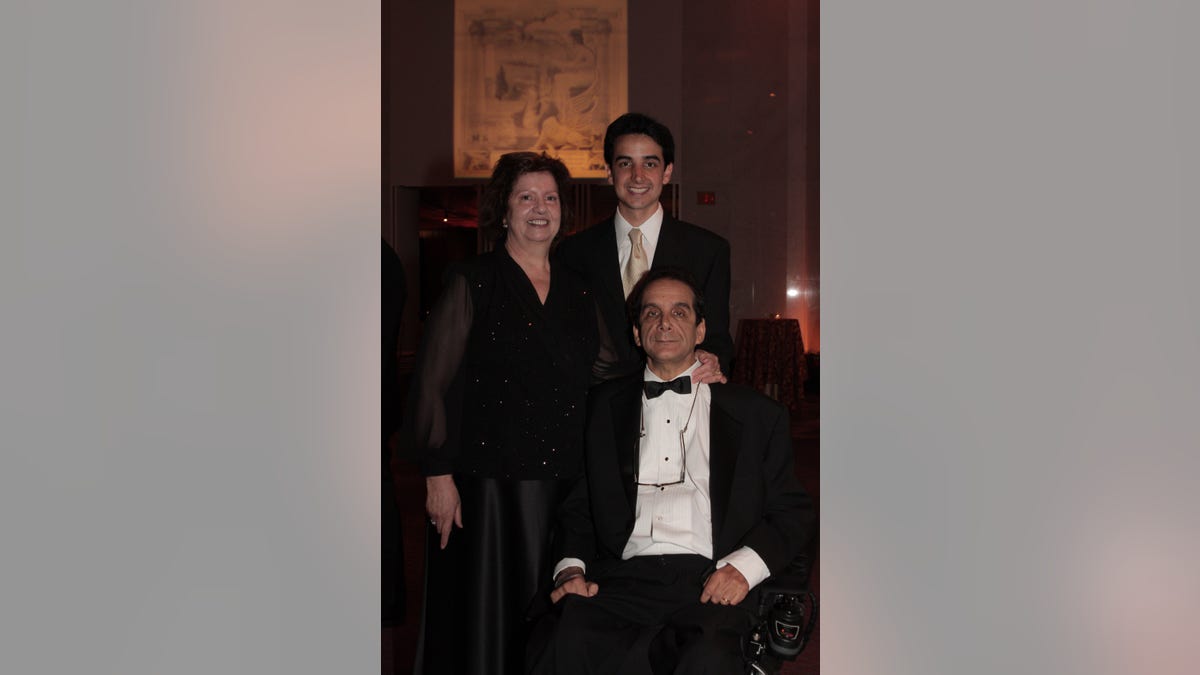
[(679, 385)]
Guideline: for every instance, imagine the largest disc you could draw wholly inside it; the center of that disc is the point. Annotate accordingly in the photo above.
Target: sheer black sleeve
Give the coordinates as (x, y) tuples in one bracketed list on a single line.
[(435, 398), (608, 364)]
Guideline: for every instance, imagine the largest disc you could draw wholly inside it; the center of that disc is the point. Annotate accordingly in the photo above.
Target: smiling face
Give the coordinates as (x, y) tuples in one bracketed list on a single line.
[(667, 329), (534, 212), (638, 174)]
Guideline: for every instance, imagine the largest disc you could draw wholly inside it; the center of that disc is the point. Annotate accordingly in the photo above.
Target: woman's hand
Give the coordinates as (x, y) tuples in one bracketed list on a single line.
[(442, 505)]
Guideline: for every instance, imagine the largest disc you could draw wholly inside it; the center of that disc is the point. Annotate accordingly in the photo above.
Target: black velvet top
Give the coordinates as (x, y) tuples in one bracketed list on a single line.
[(501, 379)]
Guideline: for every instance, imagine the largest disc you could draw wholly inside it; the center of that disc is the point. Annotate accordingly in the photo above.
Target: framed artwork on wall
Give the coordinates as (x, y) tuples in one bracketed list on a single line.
[(540, 75)]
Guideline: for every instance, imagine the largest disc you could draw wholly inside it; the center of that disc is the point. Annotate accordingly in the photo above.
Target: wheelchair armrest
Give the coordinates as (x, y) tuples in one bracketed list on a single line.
[(792, 580)]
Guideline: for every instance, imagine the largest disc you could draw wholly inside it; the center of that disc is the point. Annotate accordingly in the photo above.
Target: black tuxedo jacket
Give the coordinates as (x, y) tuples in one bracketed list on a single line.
[(756, 499), (705, 255)]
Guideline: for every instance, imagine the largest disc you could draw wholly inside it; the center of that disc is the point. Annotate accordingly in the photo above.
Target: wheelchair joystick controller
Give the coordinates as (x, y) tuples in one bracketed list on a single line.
[(784, 622)]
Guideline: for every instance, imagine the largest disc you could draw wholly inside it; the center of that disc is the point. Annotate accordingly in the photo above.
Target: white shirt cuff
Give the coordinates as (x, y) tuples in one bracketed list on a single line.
[(568, 562), (746, 561)]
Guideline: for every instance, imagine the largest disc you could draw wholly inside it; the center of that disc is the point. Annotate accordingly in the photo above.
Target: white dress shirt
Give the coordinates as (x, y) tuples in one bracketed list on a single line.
[(677, 519), (650, 230)]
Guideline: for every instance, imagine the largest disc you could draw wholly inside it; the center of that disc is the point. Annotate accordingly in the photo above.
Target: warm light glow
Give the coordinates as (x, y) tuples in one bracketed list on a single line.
[(793, 292)]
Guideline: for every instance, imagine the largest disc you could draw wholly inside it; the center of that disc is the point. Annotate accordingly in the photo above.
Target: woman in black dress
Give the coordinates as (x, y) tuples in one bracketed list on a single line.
[(498, 397)]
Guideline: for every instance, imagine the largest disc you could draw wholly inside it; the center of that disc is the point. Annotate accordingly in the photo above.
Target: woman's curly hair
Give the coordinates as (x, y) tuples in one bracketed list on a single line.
[(493, 205)]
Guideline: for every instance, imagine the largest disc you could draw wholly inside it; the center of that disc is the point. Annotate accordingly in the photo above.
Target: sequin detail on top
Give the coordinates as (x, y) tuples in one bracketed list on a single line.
[(531, 362)]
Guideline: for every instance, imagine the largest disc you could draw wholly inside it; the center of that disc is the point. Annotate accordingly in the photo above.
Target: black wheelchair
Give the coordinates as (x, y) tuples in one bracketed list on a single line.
[(787, 611)]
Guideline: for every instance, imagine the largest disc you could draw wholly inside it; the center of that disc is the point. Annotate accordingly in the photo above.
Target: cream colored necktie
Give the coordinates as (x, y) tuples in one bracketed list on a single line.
[(637, 265)]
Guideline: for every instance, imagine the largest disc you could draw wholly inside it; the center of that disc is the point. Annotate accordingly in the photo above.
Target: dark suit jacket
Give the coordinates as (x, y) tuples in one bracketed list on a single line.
[(756, 499), (705, 255)]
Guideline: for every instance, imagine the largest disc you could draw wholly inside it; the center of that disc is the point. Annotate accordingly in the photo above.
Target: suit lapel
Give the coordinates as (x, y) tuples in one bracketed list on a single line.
[(670, 251), (610, 294), (724, 441), (626, 411), (606, 260)]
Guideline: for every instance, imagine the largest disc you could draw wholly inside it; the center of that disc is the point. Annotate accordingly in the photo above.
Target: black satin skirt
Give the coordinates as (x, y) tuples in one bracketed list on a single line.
[(480, 590)]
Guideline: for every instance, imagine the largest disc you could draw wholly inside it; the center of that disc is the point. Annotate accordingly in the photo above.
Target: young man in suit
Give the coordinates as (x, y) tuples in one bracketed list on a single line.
[(613, 254), (688, 502)]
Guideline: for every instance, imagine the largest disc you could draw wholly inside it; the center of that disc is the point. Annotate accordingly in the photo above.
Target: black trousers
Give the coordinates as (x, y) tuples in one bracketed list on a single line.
[(646, 618)]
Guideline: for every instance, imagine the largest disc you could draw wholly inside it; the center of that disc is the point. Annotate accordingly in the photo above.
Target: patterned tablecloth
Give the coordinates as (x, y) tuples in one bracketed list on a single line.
[(769, 356)]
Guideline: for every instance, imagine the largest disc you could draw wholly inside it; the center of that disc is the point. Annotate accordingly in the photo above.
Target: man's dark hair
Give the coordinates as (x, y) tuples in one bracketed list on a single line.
[(633, 305), (493, 206), (637, 123)]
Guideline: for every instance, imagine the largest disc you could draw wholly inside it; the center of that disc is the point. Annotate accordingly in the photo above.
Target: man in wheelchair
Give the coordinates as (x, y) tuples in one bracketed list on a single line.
[(688, 503)]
